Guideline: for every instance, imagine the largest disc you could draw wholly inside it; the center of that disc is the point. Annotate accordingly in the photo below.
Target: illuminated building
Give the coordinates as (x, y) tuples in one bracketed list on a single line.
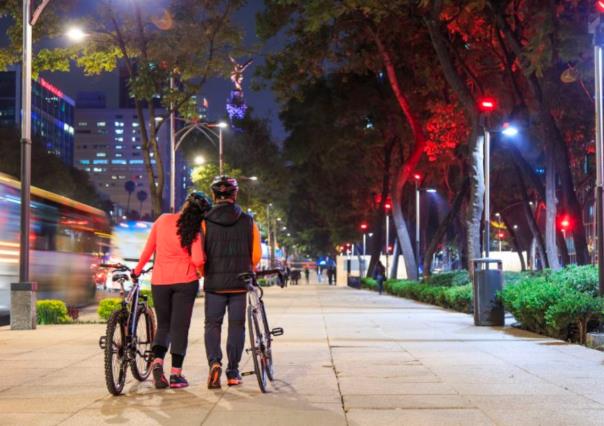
[(108, 146), (52, 113)]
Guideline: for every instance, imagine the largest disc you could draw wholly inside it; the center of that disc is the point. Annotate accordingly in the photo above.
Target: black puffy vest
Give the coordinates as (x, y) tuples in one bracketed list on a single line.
[(228, 247)]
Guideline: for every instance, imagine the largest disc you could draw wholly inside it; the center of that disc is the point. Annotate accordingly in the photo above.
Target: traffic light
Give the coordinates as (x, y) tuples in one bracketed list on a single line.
[(387, 207), (487, 104), (417, 176), (363, 227), (565, 223)]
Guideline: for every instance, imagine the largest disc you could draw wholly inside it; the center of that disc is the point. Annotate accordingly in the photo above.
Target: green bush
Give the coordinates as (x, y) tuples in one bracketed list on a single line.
[(263, 282), (449, 279), (149, 295), (107, 306), (52, 312), (369, 283), (584, 279), (459, 298)]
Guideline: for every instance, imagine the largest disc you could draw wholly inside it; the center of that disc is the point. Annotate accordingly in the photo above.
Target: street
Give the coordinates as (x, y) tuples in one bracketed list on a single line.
[(347, 357)]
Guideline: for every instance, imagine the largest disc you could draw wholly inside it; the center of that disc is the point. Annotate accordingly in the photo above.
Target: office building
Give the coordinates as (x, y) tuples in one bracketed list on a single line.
[(52, 113), (108, 146)]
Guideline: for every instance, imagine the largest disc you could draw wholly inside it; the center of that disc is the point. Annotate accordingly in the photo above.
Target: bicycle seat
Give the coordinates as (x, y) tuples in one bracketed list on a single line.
[(119, 277)]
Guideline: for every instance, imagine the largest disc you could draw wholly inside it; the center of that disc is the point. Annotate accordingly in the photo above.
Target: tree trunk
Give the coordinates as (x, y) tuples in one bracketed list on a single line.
[(393, 273), (444, 225), (458, 83), (550, 213), (407, 167), (515, 241), (530, 218), (552, 136)]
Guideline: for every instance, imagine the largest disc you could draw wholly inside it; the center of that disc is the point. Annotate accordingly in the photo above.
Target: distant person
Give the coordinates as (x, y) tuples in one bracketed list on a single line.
[(295, 276), (179, 257), (319, 274), (307, 274), (331, 274), (379, 274)]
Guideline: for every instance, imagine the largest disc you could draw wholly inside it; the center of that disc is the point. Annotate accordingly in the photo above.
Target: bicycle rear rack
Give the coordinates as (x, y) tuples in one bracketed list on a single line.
[(278, 331)]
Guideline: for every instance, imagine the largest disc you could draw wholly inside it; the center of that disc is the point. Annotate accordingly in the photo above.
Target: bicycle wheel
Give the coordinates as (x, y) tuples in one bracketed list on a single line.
[(255, 333), (145, 333), (268, 352), (116, 363)]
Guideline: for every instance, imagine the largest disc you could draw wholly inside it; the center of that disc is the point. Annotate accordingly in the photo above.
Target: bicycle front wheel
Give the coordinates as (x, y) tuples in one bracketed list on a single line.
[(256, 340), (268, 352), (116, 363), (145, 333)]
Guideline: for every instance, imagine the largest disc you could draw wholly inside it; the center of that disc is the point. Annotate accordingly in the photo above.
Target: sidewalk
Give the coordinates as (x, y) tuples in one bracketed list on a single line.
[(347, 357)]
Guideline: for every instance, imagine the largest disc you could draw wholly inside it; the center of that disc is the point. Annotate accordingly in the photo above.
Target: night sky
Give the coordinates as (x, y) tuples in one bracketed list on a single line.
[(216, 91)]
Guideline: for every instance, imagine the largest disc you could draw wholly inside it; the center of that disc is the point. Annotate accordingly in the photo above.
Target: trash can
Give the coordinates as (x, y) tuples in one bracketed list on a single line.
[(488, 310), (354, 281)]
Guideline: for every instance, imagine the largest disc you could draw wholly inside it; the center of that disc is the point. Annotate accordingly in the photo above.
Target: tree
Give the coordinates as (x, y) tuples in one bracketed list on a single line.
[(129, 186), (141, 196), (191, 42)]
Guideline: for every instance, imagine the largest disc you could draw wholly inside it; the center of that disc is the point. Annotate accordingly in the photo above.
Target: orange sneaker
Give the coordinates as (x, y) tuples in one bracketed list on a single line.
[(234, 378), (214, 376)]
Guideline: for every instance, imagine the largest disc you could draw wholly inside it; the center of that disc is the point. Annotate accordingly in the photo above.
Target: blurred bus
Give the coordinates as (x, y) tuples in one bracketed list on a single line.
[(67, 241)]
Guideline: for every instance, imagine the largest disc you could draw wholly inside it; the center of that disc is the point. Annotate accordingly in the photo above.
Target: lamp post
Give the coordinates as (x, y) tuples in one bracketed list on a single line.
[(172, 150), (364, 229), (176, 139), (387, 207), (418, 190), (499, 236), (597, 29), (23, 319)]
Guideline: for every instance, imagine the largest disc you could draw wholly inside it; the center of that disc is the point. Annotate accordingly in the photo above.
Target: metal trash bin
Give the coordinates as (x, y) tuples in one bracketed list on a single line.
[(488, 310)]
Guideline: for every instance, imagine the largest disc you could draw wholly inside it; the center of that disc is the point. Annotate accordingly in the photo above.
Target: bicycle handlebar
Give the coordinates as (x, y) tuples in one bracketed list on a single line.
[(123, 268)]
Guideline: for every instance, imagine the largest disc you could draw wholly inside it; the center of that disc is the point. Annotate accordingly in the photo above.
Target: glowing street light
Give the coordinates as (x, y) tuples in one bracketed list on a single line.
[(509, 130), (199, 160), (76, 34)]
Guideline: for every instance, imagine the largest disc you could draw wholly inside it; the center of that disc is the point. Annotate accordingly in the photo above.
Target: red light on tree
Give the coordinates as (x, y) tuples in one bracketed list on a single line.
[(417, 176), (501, 235), (600, 6), (487, 104)]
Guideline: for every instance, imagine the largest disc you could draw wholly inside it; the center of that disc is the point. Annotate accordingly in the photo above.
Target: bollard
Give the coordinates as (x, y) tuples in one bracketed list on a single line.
[(23, 306)]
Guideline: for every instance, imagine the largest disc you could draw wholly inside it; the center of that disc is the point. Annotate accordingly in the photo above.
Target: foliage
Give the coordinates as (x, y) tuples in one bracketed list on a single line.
[(107, 306), (559, 304), (369, 283), (149, 295), (52, 312), (449, 279)]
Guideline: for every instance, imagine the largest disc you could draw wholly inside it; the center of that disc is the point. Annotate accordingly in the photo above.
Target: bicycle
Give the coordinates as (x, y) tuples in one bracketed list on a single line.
[(261, 336), (129, 334)]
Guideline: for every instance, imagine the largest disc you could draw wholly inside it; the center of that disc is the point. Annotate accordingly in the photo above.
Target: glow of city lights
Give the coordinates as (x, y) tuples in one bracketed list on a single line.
[(417, 176), (364, 226), (509, 130), (76, 34), (600, 6), (387, 206), (254, 178)]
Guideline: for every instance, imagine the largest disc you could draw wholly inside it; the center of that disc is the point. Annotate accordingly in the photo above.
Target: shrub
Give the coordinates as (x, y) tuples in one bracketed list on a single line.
[(263, 282), (584, 279), (149, 295), (107, 306), (572, 310), (51, 312), (459, 298), (449, 279), (369, 283)]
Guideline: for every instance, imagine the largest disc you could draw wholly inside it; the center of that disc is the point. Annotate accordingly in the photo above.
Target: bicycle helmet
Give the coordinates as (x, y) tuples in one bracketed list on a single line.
[(224, 187), (201, 200)]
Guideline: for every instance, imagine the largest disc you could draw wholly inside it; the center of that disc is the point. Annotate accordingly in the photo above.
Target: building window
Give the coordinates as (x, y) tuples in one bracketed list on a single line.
[(99, 162), (119, 162), (119, 124), (119, 131), (84, 161), (118, 147), (101, 154), (82, 124), (118, 155), (97, 169), (101, 124), (136, 162)]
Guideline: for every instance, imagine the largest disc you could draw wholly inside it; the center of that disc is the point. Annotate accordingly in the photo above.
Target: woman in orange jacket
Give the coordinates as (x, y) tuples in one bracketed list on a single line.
[(176, 241)]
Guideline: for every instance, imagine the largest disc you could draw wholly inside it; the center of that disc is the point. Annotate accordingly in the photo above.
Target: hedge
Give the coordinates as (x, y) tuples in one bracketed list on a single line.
[(107, 306), (52, 312), (562, 304), (453, 296)]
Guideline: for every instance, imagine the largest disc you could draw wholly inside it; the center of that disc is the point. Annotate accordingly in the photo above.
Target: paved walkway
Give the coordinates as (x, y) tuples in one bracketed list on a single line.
[(348, 357)]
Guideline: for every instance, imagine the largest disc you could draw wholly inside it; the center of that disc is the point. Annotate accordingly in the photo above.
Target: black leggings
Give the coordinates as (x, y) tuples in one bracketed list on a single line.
[(173, 307)]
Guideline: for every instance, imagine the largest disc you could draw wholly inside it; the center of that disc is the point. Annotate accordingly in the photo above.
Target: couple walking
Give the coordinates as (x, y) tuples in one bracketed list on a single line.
[(217, 242)]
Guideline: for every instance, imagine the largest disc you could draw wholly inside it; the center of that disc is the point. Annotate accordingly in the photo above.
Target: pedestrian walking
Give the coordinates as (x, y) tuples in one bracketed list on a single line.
[(176, 242), (379, 274), (232, 246), (307, 275)]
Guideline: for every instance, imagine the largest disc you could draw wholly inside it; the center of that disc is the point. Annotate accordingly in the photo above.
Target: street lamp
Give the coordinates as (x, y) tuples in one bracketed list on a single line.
[(499, 233), (418, 190), (486, 106), (76, 34), (199, 160), (387, 207), (364, 229)]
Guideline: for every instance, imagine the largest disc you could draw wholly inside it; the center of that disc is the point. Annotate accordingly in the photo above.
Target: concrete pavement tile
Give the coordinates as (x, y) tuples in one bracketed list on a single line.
[(392, 387), (405, 401), (20, 419), (509, 389), (553, 417), (43, 404), (184, 416), (277, 418), (545, 402), (445, 417)]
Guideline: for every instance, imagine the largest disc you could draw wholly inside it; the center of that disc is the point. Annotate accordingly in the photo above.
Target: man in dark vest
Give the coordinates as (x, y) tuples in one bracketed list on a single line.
[(232, 246)]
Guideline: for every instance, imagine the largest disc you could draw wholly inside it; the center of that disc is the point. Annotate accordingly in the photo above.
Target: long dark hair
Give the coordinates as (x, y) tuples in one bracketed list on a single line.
[(189, 223)]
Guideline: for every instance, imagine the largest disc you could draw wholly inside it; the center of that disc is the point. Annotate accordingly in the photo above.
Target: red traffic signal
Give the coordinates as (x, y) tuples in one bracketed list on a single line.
[(600, 6), (565, 222), (364, 226), (417, 176), (487, 104), (387, 206)]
